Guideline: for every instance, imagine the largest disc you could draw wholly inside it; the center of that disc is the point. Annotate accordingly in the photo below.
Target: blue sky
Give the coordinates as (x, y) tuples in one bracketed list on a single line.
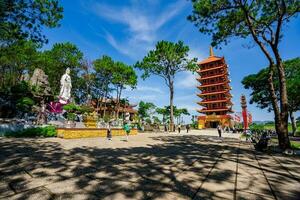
[(127, 30)]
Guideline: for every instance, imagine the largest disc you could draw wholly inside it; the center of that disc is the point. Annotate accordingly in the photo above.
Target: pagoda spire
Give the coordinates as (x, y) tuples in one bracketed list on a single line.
[(211, 52)]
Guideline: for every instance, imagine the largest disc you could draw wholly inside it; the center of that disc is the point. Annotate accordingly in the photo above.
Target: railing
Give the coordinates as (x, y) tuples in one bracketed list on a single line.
[(214, 92), (214, 74), (212, 68), (217, 108), (210, 100), (211, 76), (214, 83)]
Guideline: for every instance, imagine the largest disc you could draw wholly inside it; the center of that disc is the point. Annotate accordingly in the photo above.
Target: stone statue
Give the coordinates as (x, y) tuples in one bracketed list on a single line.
[(39, 80), (41, 90), (65, 87)]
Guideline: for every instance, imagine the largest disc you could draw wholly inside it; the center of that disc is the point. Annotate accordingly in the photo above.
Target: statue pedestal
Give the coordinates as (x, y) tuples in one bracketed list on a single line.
[(70, 124), (90, 121)]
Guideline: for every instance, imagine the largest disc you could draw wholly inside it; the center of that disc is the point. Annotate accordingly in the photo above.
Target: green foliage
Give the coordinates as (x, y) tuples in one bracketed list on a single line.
[(125, 76), (145, 109), (85, 109), (47, 131), (104, 68), (21, 20), (224, 19), (166, 111), (106, 118), (25, 104), (166, 61), (57, 60), (260, 90), (19, 58), (263, 21), (71, 108), (194, 125), (148, 121), (254, 126), (156, 120), (71, 116)]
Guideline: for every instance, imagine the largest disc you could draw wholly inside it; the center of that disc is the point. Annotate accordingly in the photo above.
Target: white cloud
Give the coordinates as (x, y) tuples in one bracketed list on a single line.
[(146, 89), (142, 98), (142, 24), (188, 80), (149, 89)]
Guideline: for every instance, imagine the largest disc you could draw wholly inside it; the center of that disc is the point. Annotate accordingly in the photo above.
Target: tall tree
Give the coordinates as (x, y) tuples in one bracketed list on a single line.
[(25, 19), (17, 60), (260, 91), (105, 68), (125, 76), (56, 60), (263, 22), (145, 109), (166, 61), (85, 82), (166, 112), (179, 112)]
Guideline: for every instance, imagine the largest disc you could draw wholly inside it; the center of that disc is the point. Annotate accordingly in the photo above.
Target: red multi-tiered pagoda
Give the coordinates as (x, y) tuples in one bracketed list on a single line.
[(214, 92)]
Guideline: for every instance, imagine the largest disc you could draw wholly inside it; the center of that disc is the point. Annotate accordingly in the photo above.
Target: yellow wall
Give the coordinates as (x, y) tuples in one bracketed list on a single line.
[(71, 133), (214, 118)]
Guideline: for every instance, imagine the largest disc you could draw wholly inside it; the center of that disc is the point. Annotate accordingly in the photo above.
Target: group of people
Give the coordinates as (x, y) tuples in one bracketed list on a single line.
[(126, 128), (179, 127)]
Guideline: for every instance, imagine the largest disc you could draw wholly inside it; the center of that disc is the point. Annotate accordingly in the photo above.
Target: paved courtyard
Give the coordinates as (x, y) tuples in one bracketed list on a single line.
[(150, 166)]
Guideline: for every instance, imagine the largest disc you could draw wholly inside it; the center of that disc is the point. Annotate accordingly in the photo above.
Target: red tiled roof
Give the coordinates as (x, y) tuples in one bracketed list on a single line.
[(210, 59)]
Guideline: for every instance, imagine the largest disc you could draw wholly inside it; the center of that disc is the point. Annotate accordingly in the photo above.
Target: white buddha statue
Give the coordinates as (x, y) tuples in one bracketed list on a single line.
[(65, 87)]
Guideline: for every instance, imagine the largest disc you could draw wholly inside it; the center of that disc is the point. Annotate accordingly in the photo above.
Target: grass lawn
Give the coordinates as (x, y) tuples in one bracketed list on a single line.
[(294, 144), (272, 127)]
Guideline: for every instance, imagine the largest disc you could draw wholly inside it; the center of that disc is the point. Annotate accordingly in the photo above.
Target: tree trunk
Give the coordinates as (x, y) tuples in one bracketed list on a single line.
[(281, 117), (171, 108), (105, 99), (118, 100), (284, 114), (293, 122)]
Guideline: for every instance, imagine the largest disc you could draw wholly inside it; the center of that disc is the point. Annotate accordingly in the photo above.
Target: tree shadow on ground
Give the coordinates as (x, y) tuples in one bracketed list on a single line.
[(175, 169)]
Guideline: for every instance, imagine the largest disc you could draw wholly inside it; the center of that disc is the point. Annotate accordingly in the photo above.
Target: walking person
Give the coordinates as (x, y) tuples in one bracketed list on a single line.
[(219, 128), (127, 130), (109, 136), (187, 128), (179, 128)]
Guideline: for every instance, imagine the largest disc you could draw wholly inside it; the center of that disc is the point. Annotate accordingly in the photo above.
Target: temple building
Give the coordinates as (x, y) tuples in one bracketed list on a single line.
[(108, 107), (214, 93)]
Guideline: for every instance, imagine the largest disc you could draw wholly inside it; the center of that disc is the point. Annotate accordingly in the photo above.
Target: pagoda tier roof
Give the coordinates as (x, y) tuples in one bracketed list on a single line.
[(210, 77), (210, 59), (213, 84), (210, 93), (204, 110), (209, 69), (215, 101), (225, 86)]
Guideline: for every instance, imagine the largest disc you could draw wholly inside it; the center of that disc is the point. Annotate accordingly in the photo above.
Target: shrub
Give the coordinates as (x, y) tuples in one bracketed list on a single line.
[(86, 109), (71, 116), (47, 131), (71, 107), (25, 104)]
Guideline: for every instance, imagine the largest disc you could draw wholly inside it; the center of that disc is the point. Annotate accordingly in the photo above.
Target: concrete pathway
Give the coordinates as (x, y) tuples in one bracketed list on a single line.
[(197, 165)]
